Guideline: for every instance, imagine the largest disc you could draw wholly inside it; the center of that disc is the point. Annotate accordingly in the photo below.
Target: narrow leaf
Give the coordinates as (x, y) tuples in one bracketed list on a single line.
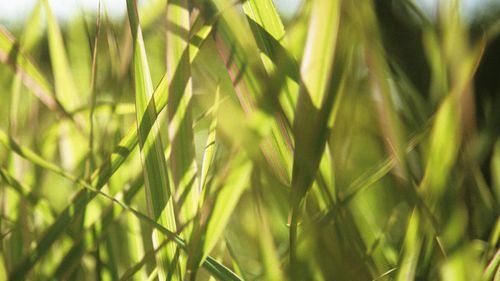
[(158, 190)]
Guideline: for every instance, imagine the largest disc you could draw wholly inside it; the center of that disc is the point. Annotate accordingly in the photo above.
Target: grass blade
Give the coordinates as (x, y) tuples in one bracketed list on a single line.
[(208, 154), (412, 249), (226, 200), (158, 190), (313, 107), (182, 157), (65, 86), (269, 34)]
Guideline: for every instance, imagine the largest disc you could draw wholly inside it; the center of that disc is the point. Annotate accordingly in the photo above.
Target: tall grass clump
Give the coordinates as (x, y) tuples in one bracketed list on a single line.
[(220, 140)]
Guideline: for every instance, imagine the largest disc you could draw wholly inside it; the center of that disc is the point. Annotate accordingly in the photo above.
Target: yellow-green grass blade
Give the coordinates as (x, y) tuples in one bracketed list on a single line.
[(209, 152), (296, 32), (314, 106), (492, 267), (452, 124), (412, 248), (199, 249), (92, 96), (80, 55), (137, 245), (368, 178), (261, 230), (66, 91), (150, 12), (33, 31), (68, 265), (314, 95), (198, 38), (263, 13), (12, 55), (182, 156), (65, 86), (269, 34), (219, 258), (462, 266), (436, 59), (444, 148), (129, 141), (317, 62), (226, 199), (156, 182)]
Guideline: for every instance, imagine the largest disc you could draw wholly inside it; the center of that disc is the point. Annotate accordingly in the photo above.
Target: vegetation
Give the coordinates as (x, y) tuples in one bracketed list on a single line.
[(213, 139)]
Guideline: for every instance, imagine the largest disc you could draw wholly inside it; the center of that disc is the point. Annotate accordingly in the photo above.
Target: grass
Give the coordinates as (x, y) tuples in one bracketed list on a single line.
[(216, 140)]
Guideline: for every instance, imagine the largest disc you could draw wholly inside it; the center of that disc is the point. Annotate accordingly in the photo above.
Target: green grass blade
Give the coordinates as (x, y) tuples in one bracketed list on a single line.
[(197, 39), (80, 55), (412, 249), (313, 107), (492, 267), (317, 63), (182, 156), (65, 85), (226, 201), (264, 13), (92, 96), (209, 152), (33, 31), (158, 190), (444, 148), (66, 91), (269, 34), (267, 248)]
